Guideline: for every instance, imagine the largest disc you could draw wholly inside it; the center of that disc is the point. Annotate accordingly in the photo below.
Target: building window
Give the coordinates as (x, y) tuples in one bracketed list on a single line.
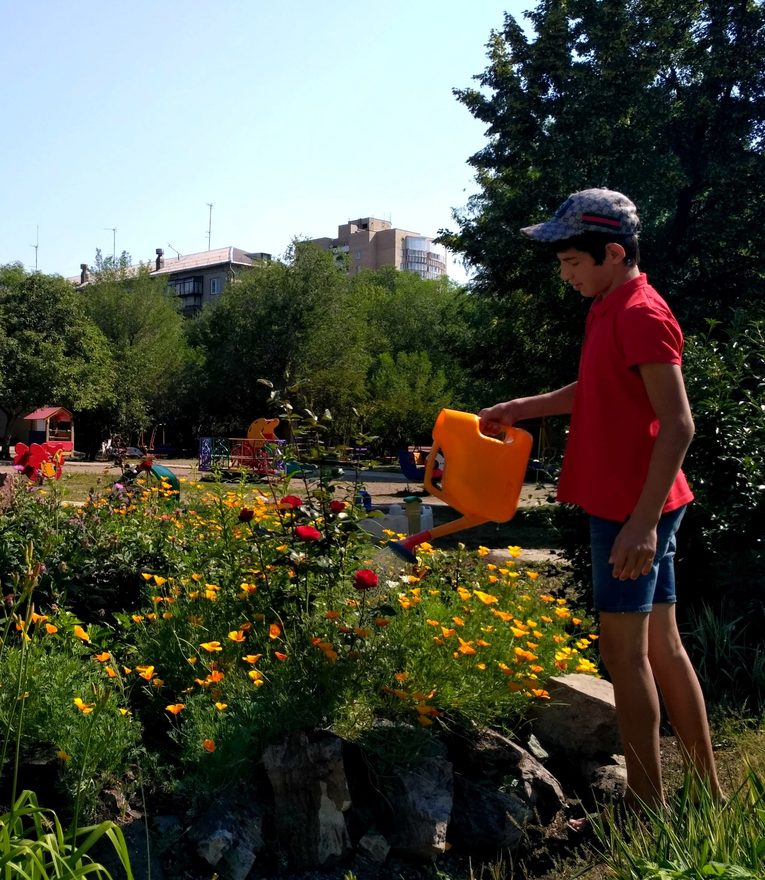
[(216, 285), (189, 286)]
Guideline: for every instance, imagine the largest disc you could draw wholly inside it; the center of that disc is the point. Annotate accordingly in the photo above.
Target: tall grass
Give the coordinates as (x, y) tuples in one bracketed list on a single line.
[(694, 838)]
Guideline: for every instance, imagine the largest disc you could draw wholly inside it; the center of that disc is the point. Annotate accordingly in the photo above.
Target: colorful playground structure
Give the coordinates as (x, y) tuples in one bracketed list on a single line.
[(260, 452)]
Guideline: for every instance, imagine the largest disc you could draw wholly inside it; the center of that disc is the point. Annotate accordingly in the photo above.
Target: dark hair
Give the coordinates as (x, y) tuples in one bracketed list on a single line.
[(594, 244)]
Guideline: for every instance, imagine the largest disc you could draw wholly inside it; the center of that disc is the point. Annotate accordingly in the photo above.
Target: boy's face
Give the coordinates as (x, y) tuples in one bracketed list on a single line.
[(580, 270)]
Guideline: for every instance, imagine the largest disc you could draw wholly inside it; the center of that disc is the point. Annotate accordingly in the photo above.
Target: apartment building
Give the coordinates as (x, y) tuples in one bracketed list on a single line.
[(196, 279), (372, 243)]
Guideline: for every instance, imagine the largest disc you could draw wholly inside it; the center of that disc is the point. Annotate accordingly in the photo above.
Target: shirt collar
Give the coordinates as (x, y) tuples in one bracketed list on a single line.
[(603, 304)]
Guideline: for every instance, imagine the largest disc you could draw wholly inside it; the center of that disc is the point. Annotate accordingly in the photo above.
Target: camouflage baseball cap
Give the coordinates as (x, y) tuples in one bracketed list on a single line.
[(591, 210)]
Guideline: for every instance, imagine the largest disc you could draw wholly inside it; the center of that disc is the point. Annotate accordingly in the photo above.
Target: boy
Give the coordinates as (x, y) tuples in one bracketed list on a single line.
[(630, 428)]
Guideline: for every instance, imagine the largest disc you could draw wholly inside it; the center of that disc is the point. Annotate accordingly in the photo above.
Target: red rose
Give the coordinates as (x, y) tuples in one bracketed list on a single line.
[(337, 506), (365, 579), (245, 514), (308, 533), (291, 502)]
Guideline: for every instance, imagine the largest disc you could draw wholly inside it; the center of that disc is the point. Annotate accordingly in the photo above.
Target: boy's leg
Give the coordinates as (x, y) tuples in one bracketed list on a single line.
[(682, 693), (623, 646), (625, 608)]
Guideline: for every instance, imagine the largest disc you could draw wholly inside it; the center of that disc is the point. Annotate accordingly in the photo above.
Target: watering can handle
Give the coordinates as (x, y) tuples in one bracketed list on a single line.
[(430, 462)]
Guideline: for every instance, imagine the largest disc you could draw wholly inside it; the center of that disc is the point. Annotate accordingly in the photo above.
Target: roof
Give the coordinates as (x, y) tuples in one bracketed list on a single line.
[(225, 256), (216, 257), (45, 412)]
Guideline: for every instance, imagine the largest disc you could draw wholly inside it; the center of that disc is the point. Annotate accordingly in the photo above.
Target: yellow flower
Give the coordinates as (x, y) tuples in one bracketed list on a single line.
[(146, 672), (251, 658), (38, 618), (274, 631), (111, 672), (518, 632), (458, 621), (85, 708), (50, 629), (576, 621), (515, 552), (146, 576), (483, 551), (586, 666), (211, 647), (158, 580), (124, 712), (463, 593), (102, 657), (221, 706), (532, 575), (236, 635), (137, 618), (62, 755), (175, 708), (80, 633), (486, 598), (540, 693)]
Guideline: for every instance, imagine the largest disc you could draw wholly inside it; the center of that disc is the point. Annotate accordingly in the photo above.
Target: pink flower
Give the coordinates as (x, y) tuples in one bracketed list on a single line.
[(365, 579), (308, 533), (291, 502)]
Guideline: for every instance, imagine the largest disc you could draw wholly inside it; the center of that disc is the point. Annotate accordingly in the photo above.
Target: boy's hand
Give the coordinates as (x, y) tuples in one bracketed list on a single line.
[(494, 419), (633, 551)]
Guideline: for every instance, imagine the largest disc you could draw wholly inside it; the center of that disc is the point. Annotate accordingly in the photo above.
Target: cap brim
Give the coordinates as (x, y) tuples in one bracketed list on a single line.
[(552, 230)]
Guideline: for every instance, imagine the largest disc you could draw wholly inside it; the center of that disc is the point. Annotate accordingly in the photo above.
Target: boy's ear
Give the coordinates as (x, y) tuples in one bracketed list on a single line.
[(615, 252)]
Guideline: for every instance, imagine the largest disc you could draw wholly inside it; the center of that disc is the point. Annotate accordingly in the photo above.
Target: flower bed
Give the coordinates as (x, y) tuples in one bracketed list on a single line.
[(187, 638)]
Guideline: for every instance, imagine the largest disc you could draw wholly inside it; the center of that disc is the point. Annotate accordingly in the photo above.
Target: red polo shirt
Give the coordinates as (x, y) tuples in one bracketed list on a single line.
[(613, 426)]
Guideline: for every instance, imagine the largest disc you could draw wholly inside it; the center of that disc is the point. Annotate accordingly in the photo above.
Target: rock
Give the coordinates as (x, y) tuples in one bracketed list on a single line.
[(229, 836), (310, 796), (484, 820), (536, 749), (580, 719), (143, 862), (497, 759), (421, 798), (608, 781)]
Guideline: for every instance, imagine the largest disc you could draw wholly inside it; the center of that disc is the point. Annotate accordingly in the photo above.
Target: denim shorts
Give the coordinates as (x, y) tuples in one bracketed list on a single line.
[(638, 596)]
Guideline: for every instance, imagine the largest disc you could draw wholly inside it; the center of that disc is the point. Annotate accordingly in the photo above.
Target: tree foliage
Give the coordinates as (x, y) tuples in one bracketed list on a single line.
[(661, 99), (327, 338), (50, 352), (147, 340)]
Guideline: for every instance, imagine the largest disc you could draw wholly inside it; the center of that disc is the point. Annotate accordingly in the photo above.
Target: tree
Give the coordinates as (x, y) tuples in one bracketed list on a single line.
[(406, 394), (662, 99), (295, 323), (50, 351), (146, 335)]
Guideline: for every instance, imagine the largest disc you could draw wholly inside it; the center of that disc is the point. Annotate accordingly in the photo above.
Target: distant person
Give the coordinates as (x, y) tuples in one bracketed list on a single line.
[(630, 428)]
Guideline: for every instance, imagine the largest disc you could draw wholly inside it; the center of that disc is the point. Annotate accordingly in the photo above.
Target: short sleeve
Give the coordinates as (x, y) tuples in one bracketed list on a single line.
[(650, 335)]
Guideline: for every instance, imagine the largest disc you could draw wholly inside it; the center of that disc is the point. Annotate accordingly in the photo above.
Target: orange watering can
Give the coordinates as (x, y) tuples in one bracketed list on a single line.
[(481, 476)]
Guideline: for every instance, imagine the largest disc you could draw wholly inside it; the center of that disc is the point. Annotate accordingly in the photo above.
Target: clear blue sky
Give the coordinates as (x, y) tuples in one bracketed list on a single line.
[(289, 118)]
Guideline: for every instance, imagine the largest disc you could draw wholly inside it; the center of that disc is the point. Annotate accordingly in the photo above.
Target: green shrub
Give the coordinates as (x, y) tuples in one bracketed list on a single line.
[(724, 533)]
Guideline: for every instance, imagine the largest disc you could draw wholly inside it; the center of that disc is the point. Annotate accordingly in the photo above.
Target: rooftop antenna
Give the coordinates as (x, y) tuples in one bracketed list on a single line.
[(36, 245), (175, 249), (113, 230), (209, 224)]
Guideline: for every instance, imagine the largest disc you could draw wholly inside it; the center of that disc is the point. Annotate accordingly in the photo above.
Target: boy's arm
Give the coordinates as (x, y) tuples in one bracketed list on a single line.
[(635, 546), (495, 418)]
